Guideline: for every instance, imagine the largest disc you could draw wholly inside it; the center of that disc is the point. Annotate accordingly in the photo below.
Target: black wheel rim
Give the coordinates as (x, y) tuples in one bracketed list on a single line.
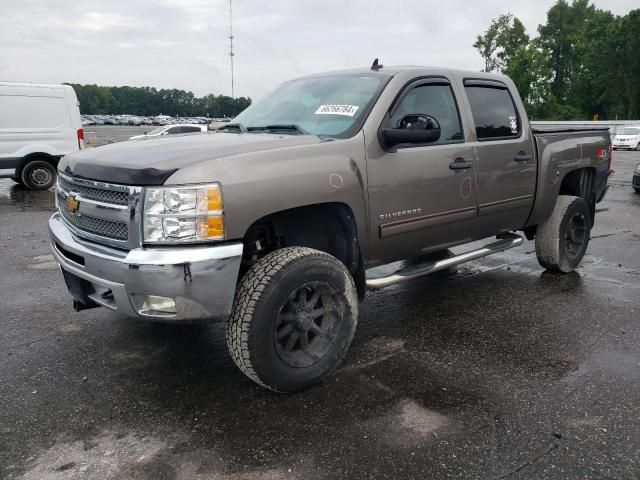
[(40, 176), (576, 235), (307, 324)]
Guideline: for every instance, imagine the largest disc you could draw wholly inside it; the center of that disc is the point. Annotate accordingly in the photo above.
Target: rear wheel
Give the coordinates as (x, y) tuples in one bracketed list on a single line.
[(562, 240), (294, 316), (38, 175)]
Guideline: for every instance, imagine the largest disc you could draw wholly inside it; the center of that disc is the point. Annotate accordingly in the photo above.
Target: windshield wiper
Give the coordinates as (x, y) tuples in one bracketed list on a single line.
[(234, 126), (279, 128)]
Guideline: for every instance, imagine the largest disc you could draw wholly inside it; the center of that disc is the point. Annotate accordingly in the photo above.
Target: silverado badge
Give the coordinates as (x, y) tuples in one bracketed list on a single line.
[(72, 203)]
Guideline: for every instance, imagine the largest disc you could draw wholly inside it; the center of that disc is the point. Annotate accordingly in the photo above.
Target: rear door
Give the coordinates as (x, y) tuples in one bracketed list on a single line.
[(422, 197), (506, 162)]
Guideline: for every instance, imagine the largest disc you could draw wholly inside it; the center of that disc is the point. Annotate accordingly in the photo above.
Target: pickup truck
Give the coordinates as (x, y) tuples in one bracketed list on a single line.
[(272, 223)]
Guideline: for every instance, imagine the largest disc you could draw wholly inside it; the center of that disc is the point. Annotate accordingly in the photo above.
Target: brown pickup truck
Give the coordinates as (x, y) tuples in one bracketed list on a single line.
[(272, 223)]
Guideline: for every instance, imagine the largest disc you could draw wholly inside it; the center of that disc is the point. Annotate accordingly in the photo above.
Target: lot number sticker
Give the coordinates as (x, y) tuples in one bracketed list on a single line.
[(346, 110)]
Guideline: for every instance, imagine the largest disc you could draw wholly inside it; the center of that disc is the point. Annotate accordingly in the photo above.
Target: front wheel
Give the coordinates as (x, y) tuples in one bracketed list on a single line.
[(562, 240), (293, 319)]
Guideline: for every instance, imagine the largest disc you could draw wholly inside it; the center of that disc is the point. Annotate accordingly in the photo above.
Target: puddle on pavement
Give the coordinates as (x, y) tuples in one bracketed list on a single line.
[(16, 195)]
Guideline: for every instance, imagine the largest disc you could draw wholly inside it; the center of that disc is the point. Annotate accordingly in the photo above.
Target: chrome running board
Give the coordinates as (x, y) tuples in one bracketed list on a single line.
[(505, 241)]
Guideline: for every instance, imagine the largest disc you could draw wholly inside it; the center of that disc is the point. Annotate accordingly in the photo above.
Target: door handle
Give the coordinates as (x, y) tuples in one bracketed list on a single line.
[(460, 164), (522, 157)]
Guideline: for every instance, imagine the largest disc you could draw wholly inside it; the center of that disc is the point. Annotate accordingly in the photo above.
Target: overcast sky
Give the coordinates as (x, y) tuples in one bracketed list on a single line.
[(184, 43)]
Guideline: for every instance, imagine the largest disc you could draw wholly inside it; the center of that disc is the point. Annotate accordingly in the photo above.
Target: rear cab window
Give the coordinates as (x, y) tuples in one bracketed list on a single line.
[(494, 112)]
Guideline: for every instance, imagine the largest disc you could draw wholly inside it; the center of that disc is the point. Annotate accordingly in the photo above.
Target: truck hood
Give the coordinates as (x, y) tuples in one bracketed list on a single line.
[(152, 161)]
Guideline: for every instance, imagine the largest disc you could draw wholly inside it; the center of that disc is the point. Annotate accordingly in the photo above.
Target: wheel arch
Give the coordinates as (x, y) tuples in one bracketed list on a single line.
[(330, 227), (52, 159), (578, 182)]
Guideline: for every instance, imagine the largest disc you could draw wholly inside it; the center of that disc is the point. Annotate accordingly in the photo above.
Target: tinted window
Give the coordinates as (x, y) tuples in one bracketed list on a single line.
[(434, 100), (494, 113), (190, 129), (174, 130)]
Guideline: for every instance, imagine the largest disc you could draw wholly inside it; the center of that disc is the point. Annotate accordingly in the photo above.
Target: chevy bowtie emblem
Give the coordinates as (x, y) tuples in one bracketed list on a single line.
[(72, 203)]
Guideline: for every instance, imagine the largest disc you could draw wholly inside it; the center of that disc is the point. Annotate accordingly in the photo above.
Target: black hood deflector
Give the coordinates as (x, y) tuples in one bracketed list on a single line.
[(122, 176)]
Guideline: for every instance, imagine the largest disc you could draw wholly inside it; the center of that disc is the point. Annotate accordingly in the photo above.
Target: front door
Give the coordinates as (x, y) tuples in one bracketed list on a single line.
[(422, 198)]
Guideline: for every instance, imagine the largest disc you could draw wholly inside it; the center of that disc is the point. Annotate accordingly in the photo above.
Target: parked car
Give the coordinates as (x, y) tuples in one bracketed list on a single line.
[(170, 130), (273, 223), (636, 179), (38, 125), (627, 139)]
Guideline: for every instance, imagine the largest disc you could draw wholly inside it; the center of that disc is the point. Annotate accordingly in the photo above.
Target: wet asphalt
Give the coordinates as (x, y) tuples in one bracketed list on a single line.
[(493, 370)]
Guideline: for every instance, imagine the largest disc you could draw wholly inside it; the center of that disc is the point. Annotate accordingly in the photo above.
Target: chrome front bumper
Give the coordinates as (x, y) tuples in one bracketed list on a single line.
[(201, 280)]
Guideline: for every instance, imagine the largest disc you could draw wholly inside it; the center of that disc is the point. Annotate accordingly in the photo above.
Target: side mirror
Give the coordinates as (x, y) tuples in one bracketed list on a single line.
[(414, 129), (166, 132)]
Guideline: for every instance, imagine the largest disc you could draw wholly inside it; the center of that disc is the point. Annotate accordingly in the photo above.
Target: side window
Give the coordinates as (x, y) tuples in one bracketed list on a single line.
[(494, 112), (434, 100), (190, 129), (174, 130)]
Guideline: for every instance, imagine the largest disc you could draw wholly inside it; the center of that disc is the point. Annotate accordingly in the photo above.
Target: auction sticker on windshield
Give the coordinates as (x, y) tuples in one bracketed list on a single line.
[(347, 110)]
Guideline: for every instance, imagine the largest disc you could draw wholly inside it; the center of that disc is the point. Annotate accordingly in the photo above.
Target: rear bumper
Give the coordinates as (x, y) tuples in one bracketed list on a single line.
[(201, 281)]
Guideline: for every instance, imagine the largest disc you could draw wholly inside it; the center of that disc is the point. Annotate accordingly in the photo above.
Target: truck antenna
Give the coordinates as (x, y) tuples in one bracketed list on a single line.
[(376, 65), (231, 54)]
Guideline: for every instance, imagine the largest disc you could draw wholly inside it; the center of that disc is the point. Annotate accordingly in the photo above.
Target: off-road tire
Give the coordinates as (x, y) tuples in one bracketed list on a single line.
[(38, 175), (261, 298), (552, 237)]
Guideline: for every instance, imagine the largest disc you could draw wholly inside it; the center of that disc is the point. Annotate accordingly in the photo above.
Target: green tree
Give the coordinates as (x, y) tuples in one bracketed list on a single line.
[(500, 42), (560, 36), (148, 101), (528, 69), (584, 62)]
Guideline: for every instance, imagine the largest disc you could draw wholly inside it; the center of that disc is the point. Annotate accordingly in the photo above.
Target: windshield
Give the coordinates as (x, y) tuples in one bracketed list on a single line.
[(630, 131), (156, 131), (330, 106)]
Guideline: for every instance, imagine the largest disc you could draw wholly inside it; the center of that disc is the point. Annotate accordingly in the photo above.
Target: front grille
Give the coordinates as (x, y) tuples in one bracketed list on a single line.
[(113, 197), (96, 226), (103, 211)]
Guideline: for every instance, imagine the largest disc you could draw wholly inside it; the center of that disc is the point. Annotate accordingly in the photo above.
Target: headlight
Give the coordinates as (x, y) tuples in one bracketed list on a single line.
[(183, 215)]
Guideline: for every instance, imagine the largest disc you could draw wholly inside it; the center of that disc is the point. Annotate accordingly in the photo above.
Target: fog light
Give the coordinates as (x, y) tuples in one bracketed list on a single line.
[(155, 304)]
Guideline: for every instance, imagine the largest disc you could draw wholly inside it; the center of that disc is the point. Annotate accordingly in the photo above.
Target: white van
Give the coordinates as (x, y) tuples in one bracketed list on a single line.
[(38, 125)]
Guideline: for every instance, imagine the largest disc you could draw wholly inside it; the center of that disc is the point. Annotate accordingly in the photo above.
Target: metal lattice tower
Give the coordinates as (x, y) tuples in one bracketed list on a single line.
[(231, 54)]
